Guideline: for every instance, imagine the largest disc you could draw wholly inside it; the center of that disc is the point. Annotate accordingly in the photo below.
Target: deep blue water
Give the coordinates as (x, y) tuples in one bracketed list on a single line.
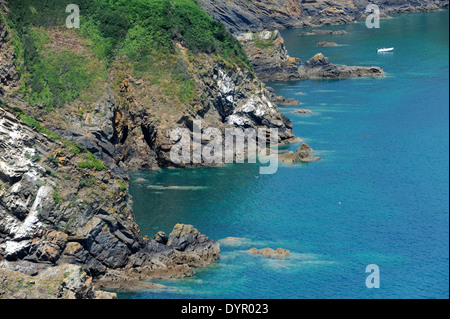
[(379, 196)]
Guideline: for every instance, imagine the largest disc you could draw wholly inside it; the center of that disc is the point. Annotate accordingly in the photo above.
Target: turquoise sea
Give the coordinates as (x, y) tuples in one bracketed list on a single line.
[(379, 196)]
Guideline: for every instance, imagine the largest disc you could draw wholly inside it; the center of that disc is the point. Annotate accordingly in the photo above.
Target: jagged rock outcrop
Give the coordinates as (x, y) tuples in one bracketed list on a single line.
[(302, 154), (319, 67), (242, 15), (269, 57)]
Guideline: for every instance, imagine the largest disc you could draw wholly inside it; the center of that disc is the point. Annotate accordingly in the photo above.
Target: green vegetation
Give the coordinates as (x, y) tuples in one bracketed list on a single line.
[(56, 197), (122, 186), (92, 162), (36, 158), (36, 125), (88, 183), (142, 30)]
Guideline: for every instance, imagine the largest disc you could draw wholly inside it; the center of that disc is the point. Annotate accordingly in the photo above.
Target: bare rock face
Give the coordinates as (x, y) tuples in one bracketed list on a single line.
[(269, 252), (319, 67), (8, 70), (302, 154)]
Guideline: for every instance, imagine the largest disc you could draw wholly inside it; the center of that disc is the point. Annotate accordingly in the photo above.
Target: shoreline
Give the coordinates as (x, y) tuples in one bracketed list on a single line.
[(108, 228)]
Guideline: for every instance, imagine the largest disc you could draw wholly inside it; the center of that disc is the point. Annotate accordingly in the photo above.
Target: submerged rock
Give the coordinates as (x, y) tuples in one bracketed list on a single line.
[(269, 252), (327, 44), (303, 111)]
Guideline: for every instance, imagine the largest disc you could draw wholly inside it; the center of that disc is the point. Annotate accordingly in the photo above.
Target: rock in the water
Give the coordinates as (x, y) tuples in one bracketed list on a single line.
[(303, 111), (269, 252), (302, 154), (319, 67), (197, 249), (323, 32)]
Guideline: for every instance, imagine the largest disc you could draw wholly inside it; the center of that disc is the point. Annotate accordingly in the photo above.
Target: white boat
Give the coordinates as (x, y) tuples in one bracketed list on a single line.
[(385, 50)]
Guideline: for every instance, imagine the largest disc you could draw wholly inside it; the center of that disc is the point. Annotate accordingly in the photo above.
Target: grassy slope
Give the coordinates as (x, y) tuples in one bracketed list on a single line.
[(61, 67)]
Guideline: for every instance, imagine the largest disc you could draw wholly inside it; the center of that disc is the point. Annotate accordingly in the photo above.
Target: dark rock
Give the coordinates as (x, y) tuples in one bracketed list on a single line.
[(161, 238)]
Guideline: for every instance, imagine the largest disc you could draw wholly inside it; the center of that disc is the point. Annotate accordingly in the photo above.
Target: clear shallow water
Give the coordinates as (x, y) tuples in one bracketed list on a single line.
[(380, 195)]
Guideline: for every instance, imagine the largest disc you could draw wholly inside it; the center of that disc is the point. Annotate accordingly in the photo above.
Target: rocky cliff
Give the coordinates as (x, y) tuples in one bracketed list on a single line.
[(77, 114), (54, 212), (242, 15)]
